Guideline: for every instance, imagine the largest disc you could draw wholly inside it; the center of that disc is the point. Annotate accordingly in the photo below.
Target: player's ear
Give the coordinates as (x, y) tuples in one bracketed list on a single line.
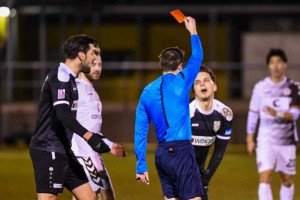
[(180, 67), (215, 87), (285, 66), (81, 55)]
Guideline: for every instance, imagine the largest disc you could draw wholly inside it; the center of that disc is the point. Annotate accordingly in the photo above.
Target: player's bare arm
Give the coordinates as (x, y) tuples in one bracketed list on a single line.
[(250, 143)]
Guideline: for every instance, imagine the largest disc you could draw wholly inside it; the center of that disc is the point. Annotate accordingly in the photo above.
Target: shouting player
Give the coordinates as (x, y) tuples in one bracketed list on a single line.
[(211, 124)]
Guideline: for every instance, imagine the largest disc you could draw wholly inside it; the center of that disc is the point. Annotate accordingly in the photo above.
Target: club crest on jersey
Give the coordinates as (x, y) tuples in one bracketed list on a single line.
[(61, 93), (286, 91), (217, 125), (227, 113)]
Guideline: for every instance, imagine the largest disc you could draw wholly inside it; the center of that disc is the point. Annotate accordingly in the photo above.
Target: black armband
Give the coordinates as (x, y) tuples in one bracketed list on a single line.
[(97, 144)]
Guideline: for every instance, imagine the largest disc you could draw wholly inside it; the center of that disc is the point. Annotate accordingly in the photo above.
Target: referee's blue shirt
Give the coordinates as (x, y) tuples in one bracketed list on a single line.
[(165, 102)]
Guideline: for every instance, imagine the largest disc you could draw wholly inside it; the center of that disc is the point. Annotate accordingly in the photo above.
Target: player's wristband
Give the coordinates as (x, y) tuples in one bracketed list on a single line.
[(108, 142), (97, 144), (280, 115)]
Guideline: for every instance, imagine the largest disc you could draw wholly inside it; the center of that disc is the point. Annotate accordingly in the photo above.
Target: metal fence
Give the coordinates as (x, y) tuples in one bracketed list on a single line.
[(21, 81), (119, 87)]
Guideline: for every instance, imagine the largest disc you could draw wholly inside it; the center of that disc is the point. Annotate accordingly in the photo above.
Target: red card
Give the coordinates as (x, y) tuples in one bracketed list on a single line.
[(178, 15)]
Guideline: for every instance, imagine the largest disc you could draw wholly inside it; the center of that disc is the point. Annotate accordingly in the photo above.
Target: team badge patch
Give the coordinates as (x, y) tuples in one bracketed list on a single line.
[(286, 91), (217, 125), (227, 113), (61, 94)]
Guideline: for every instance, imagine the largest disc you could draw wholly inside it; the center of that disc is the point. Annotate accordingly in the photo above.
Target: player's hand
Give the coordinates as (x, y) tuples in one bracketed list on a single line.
[(190, 25), (97, 144), (250, 143), (118, 150), (270, 111), (144, 178), (205, 193), (205, 178)]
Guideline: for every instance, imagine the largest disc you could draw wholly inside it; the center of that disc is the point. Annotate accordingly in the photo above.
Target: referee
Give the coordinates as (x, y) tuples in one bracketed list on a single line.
[(54, 165), (165, 101)]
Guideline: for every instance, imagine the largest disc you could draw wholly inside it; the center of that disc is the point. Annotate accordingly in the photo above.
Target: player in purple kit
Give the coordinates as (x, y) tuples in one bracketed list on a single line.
[(275, 102)]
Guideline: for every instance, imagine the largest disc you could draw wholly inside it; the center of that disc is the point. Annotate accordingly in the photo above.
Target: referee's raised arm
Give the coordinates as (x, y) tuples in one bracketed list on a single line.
[(194, 63)]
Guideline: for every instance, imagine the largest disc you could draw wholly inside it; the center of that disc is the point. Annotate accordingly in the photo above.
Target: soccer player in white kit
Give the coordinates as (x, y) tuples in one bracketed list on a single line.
[(275, 102), (89, 115)]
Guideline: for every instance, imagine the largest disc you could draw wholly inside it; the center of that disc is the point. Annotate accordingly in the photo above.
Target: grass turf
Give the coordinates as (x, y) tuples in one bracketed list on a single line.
[(235, 179)]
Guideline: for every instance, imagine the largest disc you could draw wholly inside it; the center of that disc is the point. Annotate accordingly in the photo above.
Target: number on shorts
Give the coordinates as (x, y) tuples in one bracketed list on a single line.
[(292, 163)]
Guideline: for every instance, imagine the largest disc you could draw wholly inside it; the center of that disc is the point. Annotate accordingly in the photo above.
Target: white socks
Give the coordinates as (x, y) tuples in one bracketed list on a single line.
[(265, 192), (287, 193)]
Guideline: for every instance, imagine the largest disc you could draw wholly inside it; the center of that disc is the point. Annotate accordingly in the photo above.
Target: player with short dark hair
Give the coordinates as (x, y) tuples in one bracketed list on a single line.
[(276, 52), (211, 122), (275, 102), (54, 164), (165, 102)]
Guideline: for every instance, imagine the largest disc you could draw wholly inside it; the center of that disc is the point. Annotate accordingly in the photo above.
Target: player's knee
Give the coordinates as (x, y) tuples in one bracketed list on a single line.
[(91, 196), (265, 180), (107, 194), (286, 179), (265, 177), (196, 198), (47, 197), (287, 182)]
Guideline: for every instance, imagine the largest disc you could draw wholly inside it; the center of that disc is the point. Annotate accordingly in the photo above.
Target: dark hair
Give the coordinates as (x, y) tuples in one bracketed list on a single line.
[(170, 58), (209, 71), (77, 43), (276, 52)]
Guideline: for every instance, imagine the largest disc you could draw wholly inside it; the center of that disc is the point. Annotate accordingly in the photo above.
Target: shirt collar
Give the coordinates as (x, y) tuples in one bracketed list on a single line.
[(279, 83), (202, 111), (64, 66)]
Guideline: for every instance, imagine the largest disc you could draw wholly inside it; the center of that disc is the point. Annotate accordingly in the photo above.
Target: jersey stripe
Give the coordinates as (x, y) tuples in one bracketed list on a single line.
[(61, 102), (223, 137)]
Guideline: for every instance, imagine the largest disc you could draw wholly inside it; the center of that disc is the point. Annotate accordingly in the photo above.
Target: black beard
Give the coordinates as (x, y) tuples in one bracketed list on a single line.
[(86, 70)]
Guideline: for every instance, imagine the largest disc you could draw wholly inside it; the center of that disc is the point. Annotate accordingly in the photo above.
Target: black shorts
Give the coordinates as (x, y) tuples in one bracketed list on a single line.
[(53, 171), (177, 169)]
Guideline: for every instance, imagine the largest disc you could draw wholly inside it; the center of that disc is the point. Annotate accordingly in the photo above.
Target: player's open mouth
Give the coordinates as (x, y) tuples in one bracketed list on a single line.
[(203, 90)]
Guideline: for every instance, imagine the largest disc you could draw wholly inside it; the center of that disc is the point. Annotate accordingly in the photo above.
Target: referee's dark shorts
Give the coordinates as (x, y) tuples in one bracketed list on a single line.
[(177, 169)]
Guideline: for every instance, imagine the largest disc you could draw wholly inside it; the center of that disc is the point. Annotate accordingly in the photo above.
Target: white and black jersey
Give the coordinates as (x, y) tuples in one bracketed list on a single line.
[(209, 128), (89, 115), (281, 97), (56, 119)]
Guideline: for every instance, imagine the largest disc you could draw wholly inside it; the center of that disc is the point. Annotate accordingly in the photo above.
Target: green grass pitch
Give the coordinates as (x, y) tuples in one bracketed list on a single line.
[(235, 179)]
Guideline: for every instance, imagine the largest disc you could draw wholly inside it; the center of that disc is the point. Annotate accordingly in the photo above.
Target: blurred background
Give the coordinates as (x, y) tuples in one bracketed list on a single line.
[(236, 36)]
